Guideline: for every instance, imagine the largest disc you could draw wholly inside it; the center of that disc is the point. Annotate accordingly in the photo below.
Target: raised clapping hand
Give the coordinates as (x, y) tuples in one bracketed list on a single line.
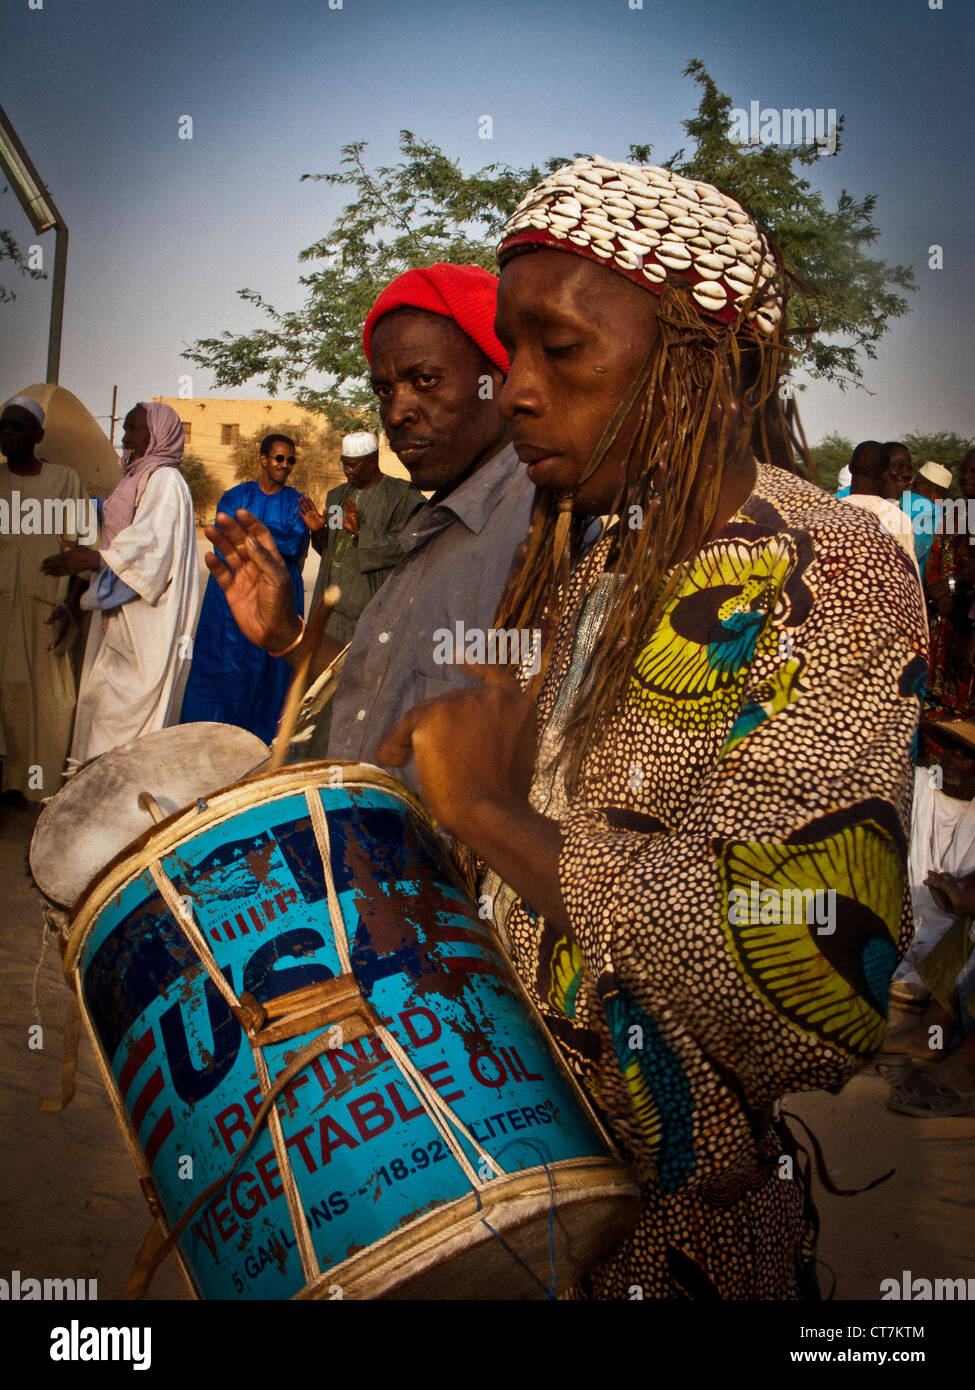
[(350, 516), (310, 514), (255, 580)]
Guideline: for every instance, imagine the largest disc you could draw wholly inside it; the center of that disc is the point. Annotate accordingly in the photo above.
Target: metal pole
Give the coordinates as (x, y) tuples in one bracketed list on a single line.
[(57, 301), (113, 417)]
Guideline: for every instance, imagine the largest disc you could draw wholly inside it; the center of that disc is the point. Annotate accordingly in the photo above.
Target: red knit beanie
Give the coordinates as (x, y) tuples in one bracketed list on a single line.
[(465, 293)]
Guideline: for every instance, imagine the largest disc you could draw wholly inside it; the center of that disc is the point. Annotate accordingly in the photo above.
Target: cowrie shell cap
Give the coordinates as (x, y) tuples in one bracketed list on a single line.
[(654, 226)]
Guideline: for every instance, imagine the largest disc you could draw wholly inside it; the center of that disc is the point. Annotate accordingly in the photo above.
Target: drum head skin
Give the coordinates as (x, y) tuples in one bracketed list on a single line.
[(97, 814)]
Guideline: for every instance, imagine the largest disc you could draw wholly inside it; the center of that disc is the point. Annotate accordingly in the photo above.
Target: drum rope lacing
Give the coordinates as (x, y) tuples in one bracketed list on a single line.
[(250, 1024), (440, 1113), (445, 1120)]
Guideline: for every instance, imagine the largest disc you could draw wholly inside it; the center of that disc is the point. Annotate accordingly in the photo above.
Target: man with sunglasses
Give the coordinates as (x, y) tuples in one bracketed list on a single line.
[(231, 681)]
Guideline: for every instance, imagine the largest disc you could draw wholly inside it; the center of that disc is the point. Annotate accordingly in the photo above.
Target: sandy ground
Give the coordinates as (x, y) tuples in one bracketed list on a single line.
[(70, 1204)]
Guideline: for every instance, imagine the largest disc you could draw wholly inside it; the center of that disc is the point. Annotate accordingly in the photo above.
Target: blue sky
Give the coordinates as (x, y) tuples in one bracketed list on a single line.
[(165, 231)]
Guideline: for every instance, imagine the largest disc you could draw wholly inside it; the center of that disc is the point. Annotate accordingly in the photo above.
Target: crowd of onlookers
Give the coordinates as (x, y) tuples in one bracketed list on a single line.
[(937, 978)]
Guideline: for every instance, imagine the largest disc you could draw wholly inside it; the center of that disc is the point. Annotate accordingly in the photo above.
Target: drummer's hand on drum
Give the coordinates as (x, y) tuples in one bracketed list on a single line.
[(475, 751)]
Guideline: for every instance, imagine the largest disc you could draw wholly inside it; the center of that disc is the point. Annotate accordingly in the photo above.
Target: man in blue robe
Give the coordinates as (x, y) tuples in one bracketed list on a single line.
[(231, 681)]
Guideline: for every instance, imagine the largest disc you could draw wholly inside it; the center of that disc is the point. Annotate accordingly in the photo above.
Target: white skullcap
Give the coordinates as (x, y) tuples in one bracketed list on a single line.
[(846, 477), (358, 446), (26, 403), (936, 473)]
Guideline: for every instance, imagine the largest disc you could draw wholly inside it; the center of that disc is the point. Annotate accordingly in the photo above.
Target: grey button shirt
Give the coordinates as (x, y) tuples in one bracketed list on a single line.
[(457, 556)]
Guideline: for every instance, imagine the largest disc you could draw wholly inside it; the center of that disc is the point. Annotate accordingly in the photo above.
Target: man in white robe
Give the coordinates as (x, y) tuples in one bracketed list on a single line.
[(145, 592), (38, 500)]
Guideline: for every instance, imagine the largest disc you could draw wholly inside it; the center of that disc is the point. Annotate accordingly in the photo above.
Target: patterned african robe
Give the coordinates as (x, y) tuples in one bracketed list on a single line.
[(765, 744)]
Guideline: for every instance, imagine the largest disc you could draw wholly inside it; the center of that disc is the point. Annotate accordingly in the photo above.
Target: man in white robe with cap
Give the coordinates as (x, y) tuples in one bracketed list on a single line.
[(358, 537), (39, 500), (144, 593)]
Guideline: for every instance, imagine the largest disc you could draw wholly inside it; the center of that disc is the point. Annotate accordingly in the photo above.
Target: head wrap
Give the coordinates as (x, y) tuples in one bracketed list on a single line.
[(650, 224), (166, 442), (359, 445), (465, 293), (936, 473), (28, 404)]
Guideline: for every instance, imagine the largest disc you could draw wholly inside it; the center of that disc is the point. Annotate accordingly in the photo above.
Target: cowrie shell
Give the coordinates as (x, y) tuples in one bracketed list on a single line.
[(710, 295), (672, 207), (592, 177), (628, 260), (713, 264), (566, 223), (765, 324), (740, 275), (558, 233), (614, 185), (586, 199), (640, 240), (600, 251), (537, 220), (655, 274), (684, 227), (597, 220), (640, 200), (601, 162), (579, 238), (674, 255), (656, 221)]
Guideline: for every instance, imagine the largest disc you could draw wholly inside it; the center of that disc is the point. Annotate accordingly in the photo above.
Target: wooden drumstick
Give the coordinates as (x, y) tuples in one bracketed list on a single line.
[(292, 705)]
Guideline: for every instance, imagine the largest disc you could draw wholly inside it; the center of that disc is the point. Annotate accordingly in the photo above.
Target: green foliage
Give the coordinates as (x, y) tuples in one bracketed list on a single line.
[(204, 488), (946, 448), (829, 456), (317, 451), (10, 251), (850, 295), (424, 209)]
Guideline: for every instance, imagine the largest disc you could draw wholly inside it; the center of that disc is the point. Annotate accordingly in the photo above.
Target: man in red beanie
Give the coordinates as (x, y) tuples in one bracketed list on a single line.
[(437, 370)]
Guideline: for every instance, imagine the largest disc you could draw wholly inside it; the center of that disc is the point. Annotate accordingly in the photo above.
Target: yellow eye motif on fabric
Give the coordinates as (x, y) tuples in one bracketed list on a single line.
[(813, 928), (566, 976), (690, 672)]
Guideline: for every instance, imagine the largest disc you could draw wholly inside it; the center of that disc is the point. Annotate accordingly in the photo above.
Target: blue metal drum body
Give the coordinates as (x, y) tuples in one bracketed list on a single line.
[(366, 1157)]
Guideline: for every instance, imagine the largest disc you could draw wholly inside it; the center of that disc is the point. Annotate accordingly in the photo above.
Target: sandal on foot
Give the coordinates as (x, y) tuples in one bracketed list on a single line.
[(916, 1092), (892, 1066), (904, 994)]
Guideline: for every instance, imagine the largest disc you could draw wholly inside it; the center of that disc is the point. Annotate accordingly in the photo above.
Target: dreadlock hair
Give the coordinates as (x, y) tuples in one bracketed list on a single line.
[(707, 386)]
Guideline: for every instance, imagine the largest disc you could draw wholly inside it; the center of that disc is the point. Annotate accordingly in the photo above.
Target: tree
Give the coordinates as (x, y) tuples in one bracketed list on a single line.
[(203, 486), (318, 452), (10, 251), (829, 456), (946, 448), (424, 209)]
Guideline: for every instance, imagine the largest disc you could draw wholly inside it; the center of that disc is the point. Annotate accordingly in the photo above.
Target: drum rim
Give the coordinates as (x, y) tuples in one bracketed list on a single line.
[(564, 1183), (161, 838)]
